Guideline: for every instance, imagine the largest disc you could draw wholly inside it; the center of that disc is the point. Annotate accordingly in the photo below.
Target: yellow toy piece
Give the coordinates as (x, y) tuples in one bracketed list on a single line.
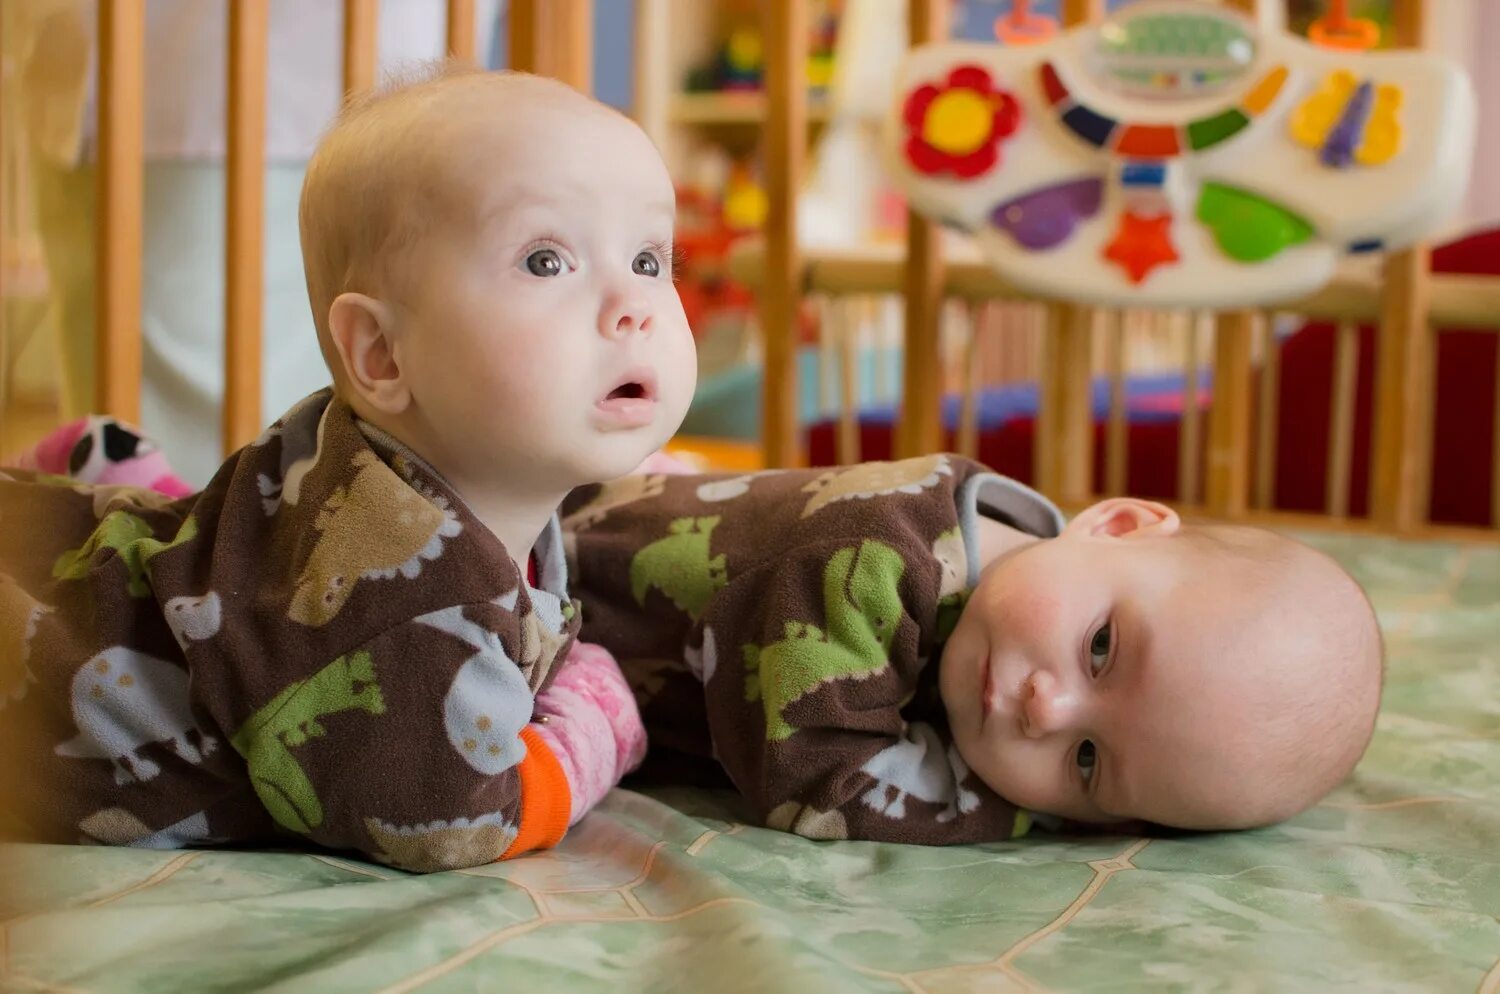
[(1317, 115), (745, 203), (1383, 132)]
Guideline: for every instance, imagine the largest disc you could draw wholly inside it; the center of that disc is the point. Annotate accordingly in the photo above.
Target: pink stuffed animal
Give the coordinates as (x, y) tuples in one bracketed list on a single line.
[(102, 450)]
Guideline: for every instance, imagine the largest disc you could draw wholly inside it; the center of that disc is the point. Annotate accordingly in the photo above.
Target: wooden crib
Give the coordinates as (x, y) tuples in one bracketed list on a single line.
[(554, 37), (1407, 302)]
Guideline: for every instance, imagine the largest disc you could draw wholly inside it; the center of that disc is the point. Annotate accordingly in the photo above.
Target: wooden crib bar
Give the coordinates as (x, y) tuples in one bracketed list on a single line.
[(461, 42), (361, 27), (553, 38), (784, 25), (920, 427), (121, 191), (1398, 496), (244, 229)]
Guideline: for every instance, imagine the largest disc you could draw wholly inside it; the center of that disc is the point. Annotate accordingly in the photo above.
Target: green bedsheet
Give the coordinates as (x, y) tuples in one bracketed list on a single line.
[(1392, 884)]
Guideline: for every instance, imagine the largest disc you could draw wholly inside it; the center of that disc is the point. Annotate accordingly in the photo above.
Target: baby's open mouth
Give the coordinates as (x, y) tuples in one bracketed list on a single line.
[(627, 391), (631, 402)]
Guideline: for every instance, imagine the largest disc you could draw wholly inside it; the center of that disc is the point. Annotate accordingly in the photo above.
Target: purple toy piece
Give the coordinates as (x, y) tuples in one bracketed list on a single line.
[(1046, 218), (1344, 136)]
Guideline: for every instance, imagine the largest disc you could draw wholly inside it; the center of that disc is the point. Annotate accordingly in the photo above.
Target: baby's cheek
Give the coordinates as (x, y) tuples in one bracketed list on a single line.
[(1025, 613)]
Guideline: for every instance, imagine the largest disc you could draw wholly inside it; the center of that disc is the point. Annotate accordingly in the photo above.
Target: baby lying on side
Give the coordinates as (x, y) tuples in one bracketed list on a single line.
[(923, 651)]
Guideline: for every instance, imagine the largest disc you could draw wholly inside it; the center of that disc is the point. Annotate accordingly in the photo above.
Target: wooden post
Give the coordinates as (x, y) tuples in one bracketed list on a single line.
[(1064, 454), (653, 80), (1117, 433), (785, 147), (361, 20), (920, 429), (461, 41), (1267, 417), (1228, 479), (244, 247), (1341, 419), (121, 195), (554, 38), (1403, 358), (1227, 488)]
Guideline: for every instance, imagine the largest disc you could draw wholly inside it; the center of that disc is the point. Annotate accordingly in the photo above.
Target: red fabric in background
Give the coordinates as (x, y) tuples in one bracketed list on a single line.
[(1464, 423)]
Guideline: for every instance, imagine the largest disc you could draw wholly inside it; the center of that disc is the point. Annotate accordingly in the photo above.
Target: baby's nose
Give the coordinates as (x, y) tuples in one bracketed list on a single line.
[(625, 315), (1047, 706)]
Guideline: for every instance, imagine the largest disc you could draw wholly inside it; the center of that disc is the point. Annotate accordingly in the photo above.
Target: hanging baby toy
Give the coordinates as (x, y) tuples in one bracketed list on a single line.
[(1176, 155)]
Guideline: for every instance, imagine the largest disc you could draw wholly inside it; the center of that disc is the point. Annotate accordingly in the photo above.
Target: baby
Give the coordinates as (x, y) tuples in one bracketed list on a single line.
[(923, 651), (342, 640)]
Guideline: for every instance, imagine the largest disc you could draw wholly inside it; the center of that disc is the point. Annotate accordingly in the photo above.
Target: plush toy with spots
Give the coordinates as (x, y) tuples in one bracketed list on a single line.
[(103, 450)]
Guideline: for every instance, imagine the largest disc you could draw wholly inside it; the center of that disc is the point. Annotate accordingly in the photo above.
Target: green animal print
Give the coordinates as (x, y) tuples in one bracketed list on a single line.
[(861, 608), (132, 540), (680, 567), (288, 721)]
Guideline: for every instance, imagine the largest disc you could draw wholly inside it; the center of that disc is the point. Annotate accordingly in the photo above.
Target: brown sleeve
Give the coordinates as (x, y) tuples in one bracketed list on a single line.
[(806, 702), (414, 749)]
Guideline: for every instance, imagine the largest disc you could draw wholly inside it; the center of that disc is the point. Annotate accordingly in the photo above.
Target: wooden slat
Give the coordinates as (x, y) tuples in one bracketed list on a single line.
[(461, 34), (1190, 428), (1228, 483), (553, 38), (1267, 415), (827, 354), (920, 429), (122, 84), (653, 81), (785, 30), (1341, 419), (847, 329), (1405, 347), (883, 343), (977, 323), (244, 246), (1117, 432), (361, 21), (1065, 423), (1065, 433), (1402, 377)]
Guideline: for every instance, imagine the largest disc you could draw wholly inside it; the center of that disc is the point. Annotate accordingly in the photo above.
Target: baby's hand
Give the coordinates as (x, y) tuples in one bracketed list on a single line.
[(589, 719)]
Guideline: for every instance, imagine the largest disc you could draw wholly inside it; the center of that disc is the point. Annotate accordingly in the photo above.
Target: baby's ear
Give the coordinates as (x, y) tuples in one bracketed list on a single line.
[(361, 327), (1121, 516)]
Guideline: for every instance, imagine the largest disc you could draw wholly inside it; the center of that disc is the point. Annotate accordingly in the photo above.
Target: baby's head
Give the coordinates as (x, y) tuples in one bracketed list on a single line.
[(489, 262), (1139, 668)]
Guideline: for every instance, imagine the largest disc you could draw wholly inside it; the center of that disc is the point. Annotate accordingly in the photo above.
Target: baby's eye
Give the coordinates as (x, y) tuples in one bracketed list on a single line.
[(545, 262), (1099, 649), (1085, 760), (646, 264)]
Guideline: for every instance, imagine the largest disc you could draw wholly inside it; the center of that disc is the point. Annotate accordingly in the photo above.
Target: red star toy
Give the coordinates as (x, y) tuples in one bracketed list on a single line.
[(1142, 244)]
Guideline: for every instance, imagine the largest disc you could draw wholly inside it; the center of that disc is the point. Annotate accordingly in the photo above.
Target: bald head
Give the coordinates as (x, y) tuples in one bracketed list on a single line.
[(1307, 642), (402, 160)]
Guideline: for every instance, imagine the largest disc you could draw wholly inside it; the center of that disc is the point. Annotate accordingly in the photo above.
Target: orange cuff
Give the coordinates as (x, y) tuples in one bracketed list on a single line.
[(546, 800)]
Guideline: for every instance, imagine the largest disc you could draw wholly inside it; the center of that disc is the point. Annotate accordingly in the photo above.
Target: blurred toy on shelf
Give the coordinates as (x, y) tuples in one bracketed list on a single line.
[(820, 59), (737, 66), (745, 203)]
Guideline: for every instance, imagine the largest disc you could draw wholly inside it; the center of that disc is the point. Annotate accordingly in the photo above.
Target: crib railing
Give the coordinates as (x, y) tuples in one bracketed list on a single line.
[(990, 334), (1061, 346), (553, 37), (1237, 474)]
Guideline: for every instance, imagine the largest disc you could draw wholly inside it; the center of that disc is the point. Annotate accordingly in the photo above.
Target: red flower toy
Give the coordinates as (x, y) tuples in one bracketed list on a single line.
[(957, 127)]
